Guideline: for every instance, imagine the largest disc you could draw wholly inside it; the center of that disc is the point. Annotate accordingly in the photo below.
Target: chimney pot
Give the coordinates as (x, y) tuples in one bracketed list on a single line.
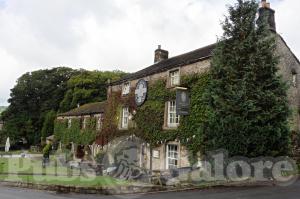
[(263, 3)]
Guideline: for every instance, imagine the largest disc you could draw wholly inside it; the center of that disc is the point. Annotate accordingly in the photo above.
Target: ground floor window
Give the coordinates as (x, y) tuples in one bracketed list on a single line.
[(172, 156)]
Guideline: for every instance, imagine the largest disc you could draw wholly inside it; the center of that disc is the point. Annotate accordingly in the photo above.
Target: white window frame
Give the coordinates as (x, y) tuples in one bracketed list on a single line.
[(125, 118), (174, 76), (126, 88), (99, 122), (69, 123), (84, 121), (172, 156), (172, 117)]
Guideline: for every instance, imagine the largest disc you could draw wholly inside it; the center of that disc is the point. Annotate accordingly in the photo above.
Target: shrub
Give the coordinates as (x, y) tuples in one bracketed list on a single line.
[(47, 150)]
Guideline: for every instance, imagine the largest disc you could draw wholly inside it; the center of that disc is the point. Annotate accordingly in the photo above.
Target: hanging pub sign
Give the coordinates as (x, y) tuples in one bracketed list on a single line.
[(182, 101), (141, 91)]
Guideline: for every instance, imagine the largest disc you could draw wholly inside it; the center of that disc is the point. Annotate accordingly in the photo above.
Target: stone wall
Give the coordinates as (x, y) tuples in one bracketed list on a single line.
[(287, 66)]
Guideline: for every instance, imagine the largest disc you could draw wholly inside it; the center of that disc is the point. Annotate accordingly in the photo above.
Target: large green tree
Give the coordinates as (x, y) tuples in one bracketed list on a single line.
[(247, 99), (87, 87), (48, 125), (38, 95), (34, 95)]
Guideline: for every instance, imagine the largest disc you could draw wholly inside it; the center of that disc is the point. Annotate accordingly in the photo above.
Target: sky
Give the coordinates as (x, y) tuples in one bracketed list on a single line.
[(113, 34)]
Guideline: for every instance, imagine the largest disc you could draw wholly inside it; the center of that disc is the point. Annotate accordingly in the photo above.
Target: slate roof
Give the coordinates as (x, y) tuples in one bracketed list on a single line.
[(87, 109), (174, 62)]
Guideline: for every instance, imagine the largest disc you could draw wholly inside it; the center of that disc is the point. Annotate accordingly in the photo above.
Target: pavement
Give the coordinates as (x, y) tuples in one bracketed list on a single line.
[(267, 192)]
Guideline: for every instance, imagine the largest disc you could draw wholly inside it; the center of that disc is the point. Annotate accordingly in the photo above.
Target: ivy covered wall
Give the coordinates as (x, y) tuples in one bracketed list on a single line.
[(148, 122), (75, 133)]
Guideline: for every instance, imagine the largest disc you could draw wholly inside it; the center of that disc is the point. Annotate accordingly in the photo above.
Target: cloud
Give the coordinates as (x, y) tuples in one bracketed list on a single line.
[(111, 34)]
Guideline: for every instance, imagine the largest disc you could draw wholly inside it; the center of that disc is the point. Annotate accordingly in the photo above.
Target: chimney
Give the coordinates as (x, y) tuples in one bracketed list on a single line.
[(266, 12), (160, 54)]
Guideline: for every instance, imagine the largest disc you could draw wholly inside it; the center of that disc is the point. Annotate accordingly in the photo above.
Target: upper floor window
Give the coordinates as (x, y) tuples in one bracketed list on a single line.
[(99, 122), (84, 122), (125, 118), (69, 123), (173, 118), (174, 78), (126, 88)]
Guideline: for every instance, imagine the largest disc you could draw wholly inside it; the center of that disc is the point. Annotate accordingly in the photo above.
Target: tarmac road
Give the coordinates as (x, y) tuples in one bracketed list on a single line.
[(268, 192)]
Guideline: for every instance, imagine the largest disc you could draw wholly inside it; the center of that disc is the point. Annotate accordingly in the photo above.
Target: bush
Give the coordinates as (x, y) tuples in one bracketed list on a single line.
[(47, 150)]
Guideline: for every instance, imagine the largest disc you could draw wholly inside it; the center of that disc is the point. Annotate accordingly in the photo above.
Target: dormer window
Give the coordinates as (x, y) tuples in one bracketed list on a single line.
[(126, 88), (174, 78)]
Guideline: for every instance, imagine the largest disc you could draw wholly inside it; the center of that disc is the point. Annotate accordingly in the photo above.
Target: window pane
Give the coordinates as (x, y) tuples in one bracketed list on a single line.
[(174, 78), (173, 118), (172, 156), (126, 88), (125, 115)]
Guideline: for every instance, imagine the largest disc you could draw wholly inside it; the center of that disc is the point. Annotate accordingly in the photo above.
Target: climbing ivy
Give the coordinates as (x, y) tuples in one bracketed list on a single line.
[(149, 118), (192, 127), (75, 133), (148, 122)]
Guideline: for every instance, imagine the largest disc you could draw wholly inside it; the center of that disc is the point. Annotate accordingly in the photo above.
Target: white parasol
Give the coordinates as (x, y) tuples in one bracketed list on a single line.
[(7, 145)]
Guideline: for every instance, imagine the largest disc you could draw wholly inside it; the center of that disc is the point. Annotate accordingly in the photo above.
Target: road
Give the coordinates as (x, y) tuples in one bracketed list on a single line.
[(290, 192)]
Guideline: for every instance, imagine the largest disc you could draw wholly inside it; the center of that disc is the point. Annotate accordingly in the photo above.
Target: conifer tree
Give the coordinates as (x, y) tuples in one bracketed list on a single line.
[(247, 98)]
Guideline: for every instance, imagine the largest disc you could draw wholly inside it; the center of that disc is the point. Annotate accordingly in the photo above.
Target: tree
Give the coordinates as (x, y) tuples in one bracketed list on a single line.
[(34, 95), (38, 95), (87, 87), (247, 99), (48, 125)]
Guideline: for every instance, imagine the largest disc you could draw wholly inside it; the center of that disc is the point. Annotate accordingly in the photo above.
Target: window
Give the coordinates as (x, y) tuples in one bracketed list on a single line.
[(294, 79), (69, 123), (173, 118), (174, 78), (125, 118), (126, 88), (84, 121), (99, 123), (172, 156)]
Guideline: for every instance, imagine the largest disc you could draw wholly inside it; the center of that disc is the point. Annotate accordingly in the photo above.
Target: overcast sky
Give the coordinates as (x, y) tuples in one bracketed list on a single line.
[(113, 34)]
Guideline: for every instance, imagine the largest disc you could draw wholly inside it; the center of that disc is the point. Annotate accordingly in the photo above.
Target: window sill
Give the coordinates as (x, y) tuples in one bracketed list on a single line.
[(173, 87), (123, 129), (170, 127)]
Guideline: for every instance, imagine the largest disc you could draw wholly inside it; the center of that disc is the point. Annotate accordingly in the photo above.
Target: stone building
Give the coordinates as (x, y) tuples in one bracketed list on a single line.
[(92, 110), (173, 154)]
